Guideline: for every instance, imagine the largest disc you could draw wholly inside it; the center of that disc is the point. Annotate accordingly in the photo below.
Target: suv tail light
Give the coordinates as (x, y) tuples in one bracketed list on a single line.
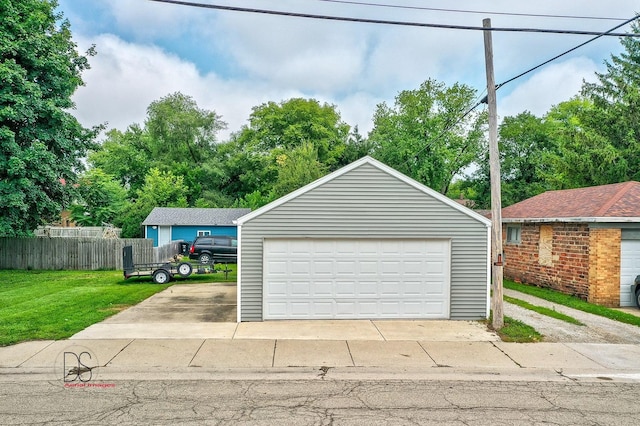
[(192, 248)]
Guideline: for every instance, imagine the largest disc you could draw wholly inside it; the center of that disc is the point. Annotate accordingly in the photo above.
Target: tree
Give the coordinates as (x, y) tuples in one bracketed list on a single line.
[(526, 145), (296, 122), (584, 156), (101, 199), (41, 143), (125, 156), (296, 169), (616, 101), (425, 135), (160, 189), (179, 131)]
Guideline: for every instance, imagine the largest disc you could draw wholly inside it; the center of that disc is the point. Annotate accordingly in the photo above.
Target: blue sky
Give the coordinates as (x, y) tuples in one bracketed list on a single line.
[(230, 62)]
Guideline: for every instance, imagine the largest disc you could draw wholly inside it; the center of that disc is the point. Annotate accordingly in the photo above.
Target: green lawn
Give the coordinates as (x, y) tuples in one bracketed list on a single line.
[(44, 305), (573, 302)]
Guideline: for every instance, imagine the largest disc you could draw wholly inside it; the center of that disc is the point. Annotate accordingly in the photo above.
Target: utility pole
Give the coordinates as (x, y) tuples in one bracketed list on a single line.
[(494, 171)]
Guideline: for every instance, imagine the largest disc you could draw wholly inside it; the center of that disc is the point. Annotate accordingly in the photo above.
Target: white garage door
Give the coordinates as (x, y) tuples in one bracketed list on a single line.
[(629, 269), (356, 279)]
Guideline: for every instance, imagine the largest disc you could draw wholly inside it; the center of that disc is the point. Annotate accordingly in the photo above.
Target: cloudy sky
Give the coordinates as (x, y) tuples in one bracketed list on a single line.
[(232, 61)]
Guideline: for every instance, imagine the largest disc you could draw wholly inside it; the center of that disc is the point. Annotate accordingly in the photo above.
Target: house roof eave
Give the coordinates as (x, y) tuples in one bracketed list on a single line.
[(572, 219)]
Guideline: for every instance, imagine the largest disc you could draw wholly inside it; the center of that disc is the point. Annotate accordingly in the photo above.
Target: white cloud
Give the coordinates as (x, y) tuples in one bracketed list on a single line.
[(553, 84), (125, 78), (354, 66)]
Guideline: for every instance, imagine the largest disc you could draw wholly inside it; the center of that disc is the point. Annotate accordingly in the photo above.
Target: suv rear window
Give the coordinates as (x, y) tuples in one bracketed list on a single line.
[(221, 242)]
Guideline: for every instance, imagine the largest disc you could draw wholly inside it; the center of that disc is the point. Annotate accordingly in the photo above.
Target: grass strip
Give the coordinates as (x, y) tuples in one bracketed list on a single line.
[(573, 302), (542, 310), (517, 331)]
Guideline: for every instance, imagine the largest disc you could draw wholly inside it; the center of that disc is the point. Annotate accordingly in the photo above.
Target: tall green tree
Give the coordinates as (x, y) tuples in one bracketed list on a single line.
[(41, 143), (616, 101), (100, 200), (297, 168), (425, 136), (180, 131), (526, 145), (124, 155), (160, 189), (295, 122), (584, 156)]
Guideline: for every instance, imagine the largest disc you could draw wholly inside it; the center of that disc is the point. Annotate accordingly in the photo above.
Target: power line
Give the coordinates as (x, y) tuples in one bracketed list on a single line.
[(568, 51), (386, 22), (435, 9)]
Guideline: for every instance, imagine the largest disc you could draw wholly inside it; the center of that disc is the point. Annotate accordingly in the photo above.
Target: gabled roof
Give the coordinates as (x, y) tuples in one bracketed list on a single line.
[(618, 202), (193, 216), (352, 166)]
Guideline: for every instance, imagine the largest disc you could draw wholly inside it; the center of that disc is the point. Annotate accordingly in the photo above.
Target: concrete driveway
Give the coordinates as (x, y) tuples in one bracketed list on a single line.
[(184, 303), (209, 311)]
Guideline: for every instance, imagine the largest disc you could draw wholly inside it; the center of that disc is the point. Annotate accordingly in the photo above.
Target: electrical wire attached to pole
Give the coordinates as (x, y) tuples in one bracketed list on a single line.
[(568, 51)]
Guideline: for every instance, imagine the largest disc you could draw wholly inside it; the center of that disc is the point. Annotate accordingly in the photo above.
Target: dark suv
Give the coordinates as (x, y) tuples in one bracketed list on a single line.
[(213, 248)]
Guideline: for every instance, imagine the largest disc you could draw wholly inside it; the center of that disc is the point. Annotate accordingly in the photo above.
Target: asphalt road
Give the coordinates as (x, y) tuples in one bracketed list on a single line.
[(322, 402)]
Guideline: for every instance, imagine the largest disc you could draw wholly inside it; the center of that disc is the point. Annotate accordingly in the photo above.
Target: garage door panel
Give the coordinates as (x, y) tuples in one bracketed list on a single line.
[(322, 267), (346, 289), (300, 267), (367, 267), (367, 288), (322, 289), (275, 267), (346, 267), (433, 308), (390, 267), (351, 279), (279, 288), (300, 288), (415, 288)]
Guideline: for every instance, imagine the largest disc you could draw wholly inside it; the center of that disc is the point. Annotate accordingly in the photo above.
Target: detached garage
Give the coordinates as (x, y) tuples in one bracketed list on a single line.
[(365, 242)]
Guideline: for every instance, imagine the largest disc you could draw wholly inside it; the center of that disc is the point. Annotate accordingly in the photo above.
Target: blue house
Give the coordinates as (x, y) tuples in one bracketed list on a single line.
[(166, 224)]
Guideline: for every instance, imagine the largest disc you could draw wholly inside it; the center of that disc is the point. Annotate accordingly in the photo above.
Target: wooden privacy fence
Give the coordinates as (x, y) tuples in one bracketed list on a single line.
[(78, 253)]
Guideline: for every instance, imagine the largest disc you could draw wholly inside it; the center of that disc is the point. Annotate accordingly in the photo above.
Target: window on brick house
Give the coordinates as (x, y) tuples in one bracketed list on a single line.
[(513, 234)]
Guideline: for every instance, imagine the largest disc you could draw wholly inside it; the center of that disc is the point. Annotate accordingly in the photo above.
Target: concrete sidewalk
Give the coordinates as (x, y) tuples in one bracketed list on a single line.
[(267, 357), (172, 335)]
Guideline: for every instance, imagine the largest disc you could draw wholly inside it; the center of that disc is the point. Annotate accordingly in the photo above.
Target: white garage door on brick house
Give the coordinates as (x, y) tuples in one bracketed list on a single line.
[(356, 278), (629, 270)]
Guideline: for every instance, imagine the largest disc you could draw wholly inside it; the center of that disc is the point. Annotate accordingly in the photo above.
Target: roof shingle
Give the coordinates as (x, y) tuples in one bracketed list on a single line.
[(605, 201), (193, 216)]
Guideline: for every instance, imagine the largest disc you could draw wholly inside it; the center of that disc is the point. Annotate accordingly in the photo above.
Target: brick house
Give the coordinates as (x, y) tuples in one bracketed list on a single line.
[(584, 242)]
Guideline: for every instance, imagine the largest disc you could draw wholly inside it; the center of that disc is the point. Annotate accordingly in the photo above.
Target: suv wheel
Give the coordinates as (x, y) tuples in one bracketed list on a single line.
[(638, 298), (204, 258)]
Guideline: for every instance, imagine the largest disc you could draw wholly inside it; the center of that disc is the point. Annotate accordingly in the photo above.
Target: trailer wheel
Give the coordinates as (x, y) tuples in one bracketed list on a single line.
[(185, 269), (161, 276)]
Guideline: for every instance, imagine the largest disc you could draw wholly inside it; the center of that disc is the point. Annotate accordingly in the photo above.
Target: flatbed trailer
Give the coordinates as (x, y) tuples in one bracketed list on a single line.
[(160, 273), (163, 272)]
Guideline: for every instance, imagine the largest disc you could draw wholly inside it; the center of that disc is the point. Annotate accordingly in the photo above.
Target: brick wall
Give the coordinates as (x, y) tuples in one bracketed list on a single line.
[(565, 269), (604, 267)]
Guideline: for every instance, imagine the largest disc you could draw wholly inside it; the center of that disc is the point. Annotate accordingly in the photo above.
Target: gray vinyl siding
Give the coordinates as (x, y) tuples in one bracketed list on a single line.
[(367, 202)]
